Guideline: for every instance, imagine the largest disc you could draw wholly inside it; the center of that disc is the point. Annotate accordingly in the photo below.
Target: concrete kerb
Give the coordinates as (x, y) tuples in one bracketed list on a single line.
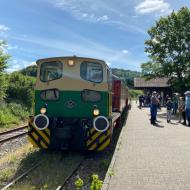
[(108, 177)]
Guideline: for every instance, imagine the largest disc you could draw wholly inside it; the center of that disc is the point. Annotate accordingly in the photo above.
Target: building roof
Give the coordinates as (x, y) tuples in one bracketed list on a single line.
[(156, 83)]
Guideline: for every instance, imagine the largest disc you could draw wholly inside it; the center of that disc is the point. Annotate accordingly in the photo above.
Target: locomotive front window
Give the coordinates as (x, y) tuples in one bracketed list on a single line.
[(91, 96), (50, 71), (51, 94), (91, 71)]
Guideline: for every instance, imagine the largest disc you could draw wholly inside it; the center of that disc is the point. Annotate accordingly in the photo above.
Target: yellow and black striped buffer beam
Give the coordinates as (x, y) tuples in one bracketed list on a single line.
[(39, 138), (98, 141)]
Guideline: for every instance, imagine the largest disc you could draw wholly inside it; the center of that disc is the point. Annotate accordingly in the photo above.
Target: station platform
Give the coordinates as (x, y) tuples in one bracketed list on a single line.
[(150, 157)]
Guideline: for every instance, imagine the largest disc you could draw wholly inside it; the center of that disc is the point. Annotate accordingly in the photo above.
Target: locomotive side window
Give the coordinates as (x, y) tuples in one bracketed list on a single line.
[(91, 71), (52, 94), (91, 96), (50, 71)]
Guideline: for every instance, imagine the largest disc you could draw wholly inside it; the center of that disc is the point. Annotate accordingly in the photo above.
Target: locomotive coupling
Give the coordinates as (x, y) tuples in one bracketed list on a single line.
[(101, 123)]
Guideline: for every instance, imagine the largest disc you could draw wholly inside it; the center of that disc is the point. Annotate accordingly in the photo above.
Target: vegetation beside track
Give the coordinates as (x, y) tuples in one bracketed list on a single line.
[(10, 163), (55, 167), (12, 114)]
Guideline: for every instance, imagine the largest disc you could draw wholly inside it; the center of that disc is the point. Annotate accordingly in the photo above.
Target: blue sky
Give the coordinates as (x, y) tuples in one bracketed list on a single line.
[(112, 30)]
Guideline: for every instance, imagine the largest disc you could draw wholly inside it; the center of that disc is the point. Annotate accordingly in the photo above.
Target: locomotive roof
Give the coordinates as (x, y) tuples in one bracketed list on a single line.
[(70, 57)]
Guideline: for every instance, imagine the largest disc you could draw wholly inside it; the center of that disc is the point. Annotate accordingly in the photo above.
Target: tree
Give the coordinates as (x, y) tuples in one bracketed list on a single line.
[(3, 65), (127, 75), (169, 50), (30, 71), (21, 88)]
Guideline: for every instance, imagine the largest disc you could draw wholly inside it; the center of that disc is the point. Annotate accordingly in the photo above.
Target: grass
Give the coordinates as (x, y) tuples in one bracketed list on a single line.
[(55, 168), (10, 163), (12, 114)]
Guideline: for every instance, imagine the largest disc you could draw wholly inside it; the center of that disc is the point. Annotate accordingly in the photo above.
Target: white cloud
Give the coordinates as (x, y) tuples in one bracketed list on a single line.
[(17, 64), (33, 63), (83, 9), (11, 47), (80, 47), (106, 12), (4, 28), (103, 18), (157, 6), (108, 63), (124, 51), (14, 66)]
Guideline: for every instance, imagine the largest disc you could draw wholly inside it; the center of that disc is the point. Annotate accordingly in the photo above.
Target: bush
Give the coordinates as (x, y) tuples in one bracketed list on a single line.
[(135, 93), (3, 86), (12, 113), (96, 183), (21, 88)]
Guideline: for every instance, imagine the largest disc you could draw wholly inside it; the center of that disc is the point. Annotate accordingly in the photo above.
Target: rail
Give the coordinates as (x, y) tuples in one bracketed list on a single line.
[(71, 173), (14, 136)]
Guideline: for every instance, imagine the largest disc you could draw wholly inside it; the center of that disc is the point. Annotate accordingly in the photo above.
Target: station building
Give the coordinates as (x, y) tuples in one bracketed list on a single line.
[(159, 85)]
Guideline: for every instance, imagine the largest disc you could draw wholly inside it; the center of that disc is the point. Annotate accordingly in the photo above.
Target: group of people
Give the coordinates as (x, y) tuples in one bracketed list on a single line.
[(172, 105), (145, 100)]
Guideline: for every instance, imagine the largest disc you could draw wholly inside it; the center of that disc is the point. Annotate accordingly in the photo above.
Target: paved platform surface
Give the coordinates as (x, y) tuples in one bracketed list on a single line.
[(151, 157)]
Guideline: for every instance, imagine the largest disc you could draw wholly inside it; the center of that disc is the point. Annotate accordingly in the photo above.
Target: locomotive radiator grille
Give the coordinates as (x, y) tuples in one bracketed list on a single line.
[(98, 141), (39, 138)]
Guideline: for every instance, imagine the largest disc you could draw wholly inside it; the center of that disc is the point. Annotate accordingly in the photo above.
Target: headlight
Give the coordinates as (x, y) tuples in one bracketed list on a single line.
[(101, 123), (71, 63), (96, 112), (43, 110), (41, 121)]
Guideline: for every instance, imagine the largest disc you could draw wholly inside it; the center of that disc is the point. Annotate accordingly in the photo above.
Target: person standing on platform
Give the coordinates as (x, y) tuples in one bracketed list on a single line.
[(181, 107), (153, 107), (169, 109), (141, 101), (187, 106), (175, 103), (184, 112)]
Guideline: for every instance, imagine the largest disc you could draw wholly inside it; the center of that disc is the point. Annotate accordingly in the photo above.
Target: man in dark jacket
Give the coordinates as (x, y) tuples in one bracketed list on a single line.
[(154, 107)]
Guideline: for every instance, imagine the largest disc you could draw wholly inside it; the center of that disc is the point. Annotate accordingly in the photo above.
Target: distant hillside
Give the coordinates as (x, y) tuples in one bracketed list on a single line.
[(30, 71), (127, 75)]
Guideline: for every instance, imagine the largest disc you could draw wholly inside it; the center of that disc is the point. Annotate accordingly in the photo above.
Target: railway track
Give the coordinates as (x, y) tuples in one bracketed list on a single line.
[(21, 176), (13, 134), (60, 187)]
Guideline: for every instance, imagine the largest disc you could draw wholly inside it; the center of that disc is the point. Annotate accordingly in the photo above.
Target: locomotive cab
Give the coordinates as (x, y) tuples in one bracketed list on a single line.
[(73, 104)]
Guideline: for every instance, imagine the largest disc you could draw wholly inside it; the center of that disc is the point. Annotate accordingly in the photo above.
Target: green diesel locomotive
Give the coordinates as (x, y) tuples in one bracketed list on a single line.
[(77, 104)]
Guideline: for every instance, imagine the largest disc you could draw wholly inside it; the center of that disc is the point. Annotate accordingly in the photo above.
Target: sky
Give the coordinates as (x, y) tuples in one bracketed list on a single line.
[(111, 30)]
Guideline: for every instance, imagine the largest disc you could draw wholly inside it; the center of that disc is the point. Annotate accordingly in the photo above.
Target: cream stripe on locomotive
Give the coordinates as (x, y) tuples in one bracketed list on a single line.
[(71, 76)]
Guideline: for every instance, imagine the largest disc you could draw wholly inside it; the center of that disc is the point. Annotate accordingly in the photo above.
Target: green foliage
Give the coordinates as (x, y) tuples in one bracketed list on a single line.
[(30, 71), (3, 86), (127, 75), (111, 172), (21, 88), (3, 65), (12, 113), (96, 183), (135, 93), (169, 49), (79, 184), (104, 164), (3, 57)]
